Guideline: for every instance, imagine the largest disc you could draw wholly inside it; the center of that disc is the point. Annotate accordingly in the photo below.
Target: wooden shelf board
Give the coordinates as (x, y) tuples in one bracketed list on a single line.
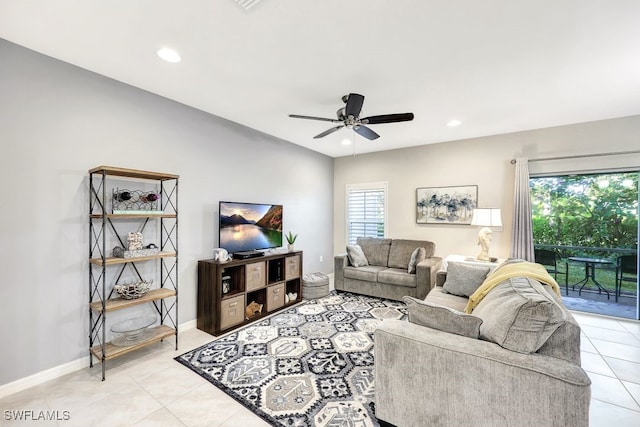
[(116, 260), (231, 294), (132, 173), (112, 351), (136, 216), (233, 263), (119, 303), (257, 317)]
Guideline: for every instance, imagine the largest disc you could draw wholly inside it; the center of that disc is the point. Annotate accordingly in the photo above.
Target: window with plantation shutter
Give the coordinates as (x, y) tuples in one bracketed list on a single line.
[(366, 211)]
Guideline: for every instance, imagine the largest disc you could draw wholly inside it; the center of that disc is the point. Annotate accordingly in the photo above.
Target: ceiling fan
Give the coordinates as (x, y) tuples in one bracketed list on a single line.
[(349, 117)]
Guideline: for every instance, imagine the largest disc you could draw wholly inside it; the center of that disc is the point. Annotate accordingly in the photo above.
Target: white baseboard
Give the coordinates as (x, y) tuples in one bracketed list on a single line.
[(43, 376), (191, 324), (60, 370)]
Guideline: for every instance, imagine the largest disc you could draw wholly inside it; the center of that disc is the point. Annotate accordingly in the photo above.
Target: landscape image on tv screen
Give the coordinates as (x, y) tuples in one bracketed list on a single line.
[(250, 226)]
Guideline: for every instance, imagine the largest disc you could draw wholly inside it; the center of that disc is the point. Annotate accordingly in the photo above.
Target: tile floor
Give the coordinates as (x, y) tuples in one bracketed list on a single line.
[(148, 388)]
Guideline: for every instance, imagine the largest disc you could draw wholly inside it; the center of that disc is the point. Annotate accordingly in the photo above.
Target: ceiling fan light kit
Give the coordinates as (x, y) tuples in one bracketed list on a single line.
[(349, 117)]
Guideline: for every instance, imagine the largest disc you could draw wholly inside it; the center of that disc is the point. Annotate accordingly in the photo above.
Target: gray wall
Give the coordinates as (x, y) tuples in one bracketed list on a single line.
[(484, 162), (58, 121)]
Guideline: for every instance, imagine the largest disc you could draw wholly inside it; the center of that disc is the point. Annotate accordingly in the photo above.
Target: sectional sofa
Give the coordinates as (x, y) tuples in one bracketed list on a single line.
[(514, 360)]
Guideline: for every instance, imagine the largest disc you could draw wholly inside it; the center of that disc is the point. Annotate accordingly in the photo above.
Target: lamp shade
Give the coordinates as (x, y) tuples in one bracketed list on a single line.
[(486, 217)]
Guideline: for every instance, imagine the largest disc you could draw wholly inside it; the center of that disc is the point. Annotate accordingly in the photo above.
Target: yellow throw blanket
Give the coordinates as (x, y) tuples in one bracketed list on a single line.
[(507, 271)]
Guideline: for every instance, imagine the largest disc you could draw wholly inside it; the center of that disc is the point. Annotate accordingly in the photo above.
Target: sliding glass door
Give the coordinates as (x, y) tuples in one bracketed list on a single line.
[(590, 222)]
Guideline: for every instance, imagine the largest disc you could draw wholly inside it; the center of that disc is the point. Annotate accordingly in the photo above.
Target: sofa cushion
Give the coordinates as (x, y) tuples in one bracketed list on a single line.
[(356, 256), (368, 273), (463, 279), (401, 250), (438, 296), (519, 315), (442, 318), (396, 276), (376, 250), (417, 257)]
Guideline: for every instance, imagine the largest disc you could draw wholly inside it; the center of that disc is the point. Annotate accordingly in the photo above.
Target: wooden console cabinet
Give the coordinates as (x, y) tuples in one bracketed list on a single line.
[(226, 288)]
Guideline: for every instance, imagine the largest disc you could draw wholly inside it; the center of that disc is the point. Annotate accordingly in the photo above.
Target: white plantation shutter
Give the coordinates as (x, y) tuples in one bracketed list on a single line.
[(366, 211)]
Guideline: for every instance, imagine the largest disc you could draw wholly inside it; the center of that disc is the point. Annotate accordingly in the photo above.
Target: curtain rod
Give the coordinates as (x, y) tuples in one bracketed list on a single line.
[(580, 156)]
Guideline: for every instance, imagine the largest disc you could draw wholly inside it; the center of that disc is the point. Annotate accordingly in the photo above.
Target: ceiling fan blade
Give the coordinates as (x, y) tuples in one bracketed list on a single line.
[(354, 104), (366, 132), (297, 116), (388, 118), (328, 131)]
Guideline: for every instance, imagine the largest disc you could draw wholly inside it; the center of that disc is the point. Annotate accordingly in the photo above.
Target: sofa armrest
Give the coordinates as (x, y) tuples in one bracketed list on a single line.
[(428, 377), (441, 277), (340, 261), (426, 276)]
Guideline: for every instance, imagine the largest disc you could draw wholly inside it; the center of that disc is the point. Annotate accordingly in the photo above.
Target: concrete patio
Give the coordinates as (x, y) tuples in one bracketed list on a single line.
[(591, 302)]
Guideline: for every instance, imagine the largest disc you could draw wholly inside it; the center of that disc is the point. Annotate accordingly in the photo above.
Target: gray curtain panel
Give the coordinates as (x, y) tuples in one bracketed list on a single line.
[(522, 233)]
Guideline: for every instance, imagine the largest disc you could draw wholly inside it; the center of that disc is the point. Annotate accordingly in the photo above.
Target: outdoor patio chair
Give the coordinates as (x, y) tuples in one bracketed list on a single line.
[(553, 263), (626, 271)]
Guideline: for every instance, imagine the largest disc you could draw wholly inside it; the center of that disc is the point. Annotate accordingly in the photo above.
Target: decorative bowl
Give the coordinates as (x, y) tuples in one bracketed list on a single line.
[(133, 290), (133, 331)]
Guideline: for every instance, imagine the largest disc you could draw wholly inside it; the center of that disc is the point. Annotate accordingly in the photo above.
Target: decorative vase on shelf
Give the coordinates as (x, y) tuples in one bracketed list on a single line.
[(290, 247)]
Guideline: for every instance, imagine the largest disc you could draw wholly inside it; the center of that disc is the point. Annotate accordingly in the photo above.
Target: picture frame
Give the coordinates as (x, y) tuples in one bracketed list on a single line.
[(446, 205)]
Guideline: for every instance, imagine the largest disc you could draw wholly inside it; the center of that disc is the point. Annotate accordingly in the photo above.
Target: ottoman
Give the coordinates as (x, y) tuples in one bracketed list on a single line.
[(315, 285)]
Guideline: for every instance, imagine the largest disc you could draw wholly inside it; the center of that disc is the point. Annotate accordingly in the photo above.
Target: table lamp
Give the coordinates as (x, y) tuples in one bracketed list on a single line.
[(485, 218)]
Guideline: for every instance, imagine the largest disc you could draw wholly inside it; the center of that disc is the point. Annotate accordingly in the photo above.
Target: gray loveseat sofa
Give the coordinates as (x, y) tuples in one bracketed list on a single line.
[(428, 374), (387, 274)]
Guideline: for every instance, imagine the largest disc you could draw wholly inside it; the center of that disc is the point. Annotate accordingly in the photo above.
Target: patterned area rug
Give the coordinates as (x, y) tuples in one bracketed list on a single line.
[(310, 365)]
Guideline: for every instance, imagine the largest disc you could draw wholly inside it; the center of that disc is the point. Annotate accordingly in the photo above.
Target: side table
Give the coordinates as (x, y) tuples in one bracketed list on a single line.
[(590, 272), (471, 260)]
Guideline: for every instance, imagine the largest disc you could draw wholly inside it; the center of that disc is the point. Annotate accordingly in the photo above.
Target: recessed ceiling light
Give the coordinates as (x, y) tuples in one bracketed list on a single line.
[(454, 123), (168, 54), (346, 141)]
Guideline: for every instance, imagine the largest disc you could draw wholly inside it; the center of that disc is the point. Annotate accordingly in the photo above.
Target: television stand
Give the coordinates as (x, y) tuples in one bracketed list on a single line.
[(247, 254), (226, 288)]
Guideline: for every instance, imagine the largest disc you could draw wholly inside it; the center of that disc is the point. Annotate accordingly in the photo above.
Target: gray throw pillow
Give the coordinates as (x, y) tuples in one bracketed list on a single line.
[(463, 279), (356, 256), (442, 318), (417, 256), (519, 314)]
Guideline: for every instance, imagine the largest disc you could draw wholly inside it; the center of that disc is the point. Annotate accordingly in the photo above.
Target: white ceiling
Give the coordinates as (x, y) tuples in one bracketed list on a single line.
[(497, 65)]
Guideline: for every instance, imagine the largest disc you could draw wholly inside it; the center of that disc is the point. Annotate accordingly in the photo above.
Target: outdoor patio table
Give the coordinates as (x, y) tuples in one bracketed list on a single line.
[(590, 272)]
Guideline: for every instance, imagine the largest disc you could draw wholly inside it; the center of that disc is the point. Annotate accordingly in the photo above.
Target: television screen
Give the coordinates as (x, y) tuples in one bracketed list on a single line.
[(250, 226)]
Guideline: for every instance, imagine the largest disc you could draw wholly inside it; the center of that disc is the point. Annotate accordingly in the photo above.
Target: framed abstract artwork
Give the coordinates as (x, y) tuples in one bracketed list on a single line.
[(446, 205)]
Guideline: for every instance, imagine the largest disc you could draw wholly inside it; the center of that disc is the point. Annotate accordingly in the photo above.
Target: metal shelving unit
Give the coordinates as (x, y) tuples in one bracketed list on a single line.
[(107, 271)]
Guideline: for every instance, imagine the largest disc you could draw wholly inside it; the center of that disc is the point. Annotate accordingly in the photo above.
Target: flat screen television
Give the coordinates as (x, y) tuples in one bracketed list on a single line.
[(249, 226)]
